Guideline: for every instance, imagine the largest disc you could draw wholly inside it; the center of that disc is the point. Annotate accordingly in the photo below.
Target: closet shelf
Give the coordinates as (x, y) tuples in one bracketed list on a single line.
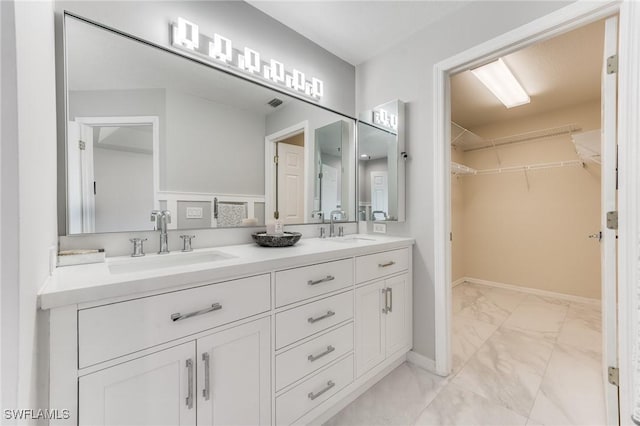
[(588, 145), (524, 168), (460, 169)]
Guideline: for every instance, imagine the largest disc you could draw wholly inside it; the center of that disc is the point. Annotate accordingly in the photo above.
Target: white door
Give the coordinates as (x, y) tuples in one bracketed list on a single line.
[(291, 183), (370, 335), (80, 179), (234, 368), (397, 321), (609, 204), (152, 390), (329, 189), (379, 192)]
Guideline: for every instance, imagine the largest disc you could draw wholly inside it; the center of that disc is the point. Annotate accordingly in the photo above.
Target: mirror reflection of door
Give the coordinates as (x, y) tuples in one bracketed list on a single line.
[(290, 179), (379, 195), (329, 189), (112, 165)]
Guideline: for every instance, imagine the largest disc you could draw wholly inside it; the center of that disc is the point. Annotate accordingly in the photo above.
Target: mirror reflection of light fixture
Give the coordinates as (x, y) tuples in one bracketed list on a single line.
[(499, 79), (365, 156)]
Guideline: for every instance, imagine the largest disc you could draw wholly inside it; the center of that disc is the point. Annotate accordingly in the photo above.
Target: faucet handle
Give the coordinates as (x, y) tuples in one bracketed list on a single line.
[(138, 249), (186, 242), (340, 231)]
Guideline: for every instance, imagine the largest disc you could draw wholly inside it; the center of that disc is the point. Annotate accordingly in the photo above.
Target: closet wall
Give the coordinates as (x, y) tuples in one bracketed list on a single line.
[(531, 233)]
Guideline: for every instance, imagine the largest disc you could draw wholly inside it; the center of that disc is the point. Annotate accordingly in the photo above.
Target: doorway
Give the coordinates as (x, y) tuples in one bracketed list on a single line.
[(287, 157), (570, 18), (112, 173)]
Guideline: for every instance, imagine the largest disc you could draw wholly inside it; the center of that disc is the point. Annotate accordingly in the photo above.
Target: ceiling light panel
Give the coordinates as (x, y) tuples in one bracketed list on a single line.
[(499, 79)]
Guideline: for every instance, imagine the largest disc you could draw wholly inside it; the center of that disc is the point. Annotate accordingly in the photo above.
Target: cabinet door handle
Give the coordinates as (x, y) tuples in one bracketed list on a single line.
[(386, 300), (313, 396), (384, 265), (317, 357), (327, 315), (189, 399), (322, 280), (178, 316), (205, 391), (390, 293)]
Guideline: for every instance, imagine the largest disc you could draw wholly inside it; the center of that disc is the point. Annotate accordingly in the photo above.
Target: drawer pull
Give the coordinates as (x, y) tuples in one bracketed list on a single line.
[(189, 398), (313, 396), (323, 280), (317, 357), (178, 316), (384, 265), (327, 315)]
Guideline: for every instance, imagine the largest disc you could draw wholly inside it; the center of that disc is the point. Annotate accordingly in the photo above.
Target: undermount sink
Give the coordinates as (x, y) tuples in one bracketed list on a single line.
[(158, 261), (352, 240)]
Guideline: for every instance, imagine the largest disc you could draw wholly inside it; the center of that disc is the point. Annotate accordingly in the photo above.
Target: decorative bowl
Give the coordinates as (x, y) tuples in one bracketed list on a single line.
[(286, 240)]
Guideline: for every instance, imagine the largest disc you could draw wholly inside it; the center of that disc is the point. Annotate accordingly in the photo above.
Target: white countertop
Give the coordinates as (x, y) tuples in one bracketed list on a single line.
[(90, 283)]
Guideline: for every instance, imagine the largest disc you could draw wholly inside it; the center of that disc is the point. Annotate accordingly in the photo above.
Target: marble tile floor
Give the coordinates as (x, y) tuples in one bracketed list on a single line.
[(518, 359)]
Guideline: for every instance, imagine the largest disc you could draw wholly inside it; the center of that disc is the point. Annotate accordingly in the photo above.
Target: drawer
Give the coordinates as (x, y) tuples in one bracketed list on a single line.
[(109, 331), (311, 356), (295, 403), (382, 264), (302, 283), (305, 320)]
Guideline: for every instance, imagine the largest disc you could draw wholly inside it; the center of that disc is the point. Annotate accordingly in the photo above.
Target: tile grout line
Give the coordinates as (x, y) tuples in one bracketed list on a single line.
[(544, 374)]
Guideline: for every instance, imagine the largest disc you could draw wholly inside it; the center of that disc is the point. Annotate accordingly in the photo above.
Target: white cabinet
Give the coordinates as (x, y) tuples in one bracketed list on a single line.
[(151, 390), (221, 379), (234, 376), (383, 321)]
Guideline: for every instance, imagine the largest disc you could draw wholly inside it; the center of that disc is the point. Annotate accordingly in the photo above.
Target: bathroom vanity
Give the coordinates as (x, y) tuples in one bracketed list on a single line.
[(231, 335)]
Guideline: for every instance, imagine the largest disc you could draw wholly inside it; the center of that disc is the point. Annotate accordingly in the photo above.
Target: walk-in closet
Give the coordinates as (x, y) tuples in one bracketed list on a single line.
[(525, 240)]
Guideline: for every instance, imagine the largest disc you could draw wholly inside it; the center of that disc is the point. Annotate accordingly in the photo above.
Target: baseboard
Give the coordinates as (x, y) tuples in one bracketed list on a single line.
[(535, 291), (458, 282), (421, 361)]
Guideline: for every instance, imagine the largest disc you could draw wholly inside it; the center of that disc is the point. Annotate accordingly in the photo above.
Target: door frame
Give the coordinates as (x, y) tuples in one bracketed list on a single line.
[(123, 121), (270, 171), (566, 19)]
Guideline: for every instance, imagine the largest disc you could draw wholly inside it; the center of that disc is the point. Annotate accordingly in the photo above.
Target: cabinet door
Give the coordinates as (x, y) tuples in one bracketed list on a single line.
[(234, 376), (398, 320), (370, 336), (151, 390)]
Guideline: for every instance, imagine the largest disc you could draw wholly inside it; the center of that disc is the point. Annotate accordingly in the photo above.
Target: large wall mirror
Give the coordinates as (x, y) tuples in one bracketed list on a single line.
[(381, 158), (150, 129)]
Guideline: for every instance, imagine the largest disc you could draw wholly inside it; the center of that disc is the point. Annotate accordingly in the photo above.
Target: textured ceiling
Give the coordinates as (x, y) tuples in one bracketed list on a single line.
[(557, 73), (357, 30)]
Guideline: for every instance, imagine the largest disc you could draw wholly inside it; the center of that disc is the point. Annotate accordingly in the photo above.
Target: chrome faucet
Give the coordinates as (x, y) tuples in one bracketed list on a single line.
[(332, 217), (162, 218)]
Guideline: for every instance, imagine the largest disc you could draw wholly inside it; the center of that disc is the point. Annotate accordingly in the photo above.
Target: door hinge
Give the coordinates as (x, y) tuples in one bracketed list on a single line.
[(612, 64), (275, 159), (614, 376), (450, 236), (82, 145), (612, 220)]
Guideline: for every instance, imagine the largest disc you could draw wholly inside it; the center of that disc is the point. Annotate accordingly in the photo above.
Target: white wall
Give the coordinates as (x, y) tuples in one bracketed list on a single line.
[(406, 72), (29, 139), (212, 147), (9, 286)]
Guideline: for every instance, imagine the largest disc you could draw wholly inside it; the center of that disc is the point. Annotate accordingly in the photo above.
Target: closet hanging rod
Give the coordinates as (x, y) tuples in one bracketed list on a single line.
[(538, 166), (528, 136)]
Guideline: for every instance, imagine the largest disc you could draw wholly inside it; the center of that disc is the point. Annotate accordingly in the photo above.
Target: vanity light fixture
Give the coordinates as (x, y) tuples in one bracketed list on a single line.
[(384, 118), (499, 79), (186, 35)]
